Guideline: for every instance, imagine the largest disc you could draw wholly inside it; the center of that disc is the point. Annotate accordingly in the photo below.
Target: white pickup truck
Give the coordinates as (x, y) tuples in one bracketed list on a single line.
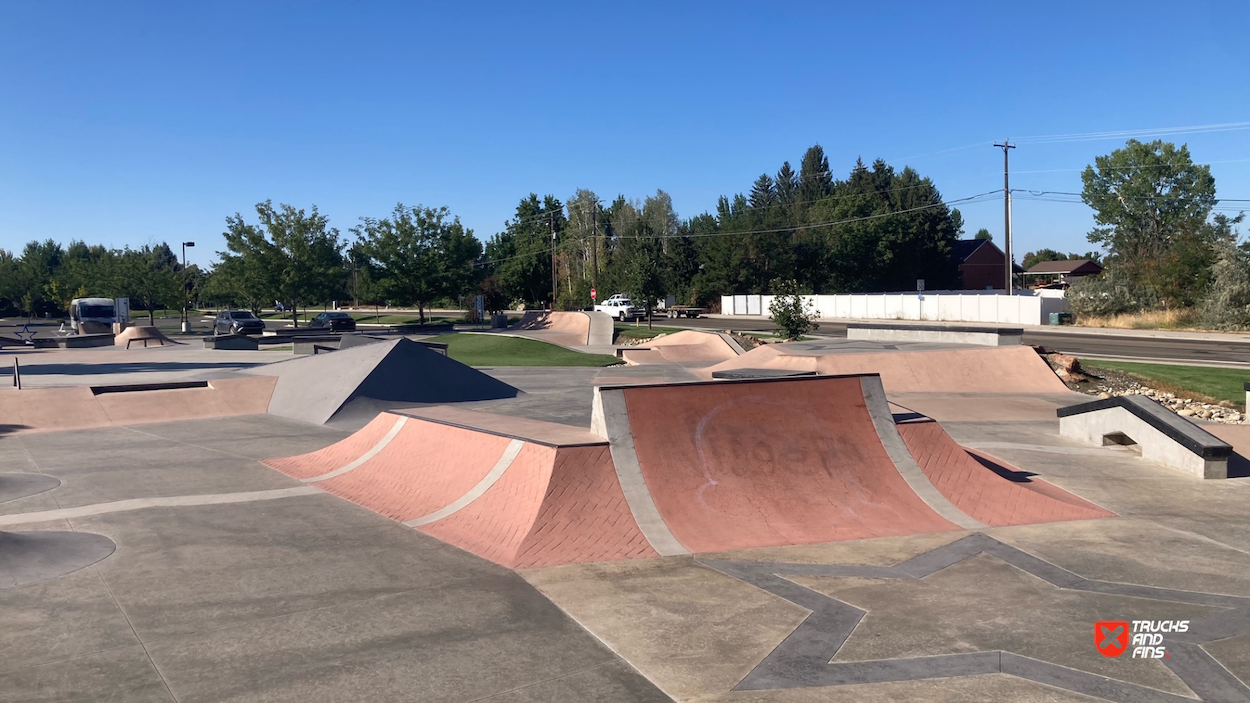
[(619, 307)]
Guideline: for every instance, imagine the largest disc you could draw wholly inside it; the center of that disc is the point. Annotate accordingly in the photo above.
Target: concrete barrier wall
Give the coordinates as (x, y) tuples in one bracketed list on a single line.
[(1024, 308)]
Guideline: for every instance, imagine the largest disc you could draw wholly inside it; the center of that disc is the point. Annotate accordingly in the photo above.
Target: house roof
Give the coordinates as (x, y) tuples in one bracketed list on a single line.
[(963, 249), (1081, 266)]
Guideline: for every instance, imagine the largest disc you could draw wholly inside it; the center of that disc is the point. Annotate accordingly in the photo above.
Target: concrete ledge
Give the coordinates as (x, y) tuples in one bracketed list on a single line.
[(233, 342), (942, 334), (79, 341), (761, 373), (1140, 423)]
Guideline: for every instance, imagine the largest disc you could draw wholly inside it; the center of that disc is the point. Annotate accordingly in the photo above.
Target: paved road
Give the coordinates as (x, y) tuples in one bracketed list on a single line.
[(1091, 344)]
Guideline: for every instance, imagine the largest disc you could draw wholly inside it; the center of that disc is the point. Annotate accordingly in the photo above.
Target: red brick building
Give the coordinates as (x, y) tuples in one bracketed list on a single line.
[(981, 264)]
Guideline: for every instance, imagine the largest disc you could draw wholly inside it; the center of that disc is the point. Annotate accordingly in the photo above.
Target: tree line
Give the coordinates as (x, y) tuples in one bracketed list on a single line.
[(877, 228)]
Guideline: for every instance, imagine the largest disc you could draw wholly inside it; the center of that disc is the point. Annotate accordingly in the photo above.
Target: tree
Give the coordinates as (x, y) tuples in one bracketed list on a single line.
[(149, 276), (1226, 304), (984, 234), (521, 255), (420, 254), (1151, 203), (293, 256), (793, 315), (872, 249)]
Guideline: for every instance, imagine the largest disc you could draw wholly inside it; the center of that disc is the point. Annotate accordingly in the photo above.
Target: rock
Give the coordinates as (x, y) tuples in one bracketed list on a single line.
[(1104, 395), (1065, 362), (1183, 413)]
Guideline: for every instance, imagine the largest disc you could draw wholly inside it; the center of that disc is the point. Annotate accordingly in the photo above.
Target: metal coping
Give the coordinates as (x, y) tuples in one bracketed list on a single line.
[(1000, 331), (1186, 433), (415, 414), (761, 374), (137, 387), (719, 381)]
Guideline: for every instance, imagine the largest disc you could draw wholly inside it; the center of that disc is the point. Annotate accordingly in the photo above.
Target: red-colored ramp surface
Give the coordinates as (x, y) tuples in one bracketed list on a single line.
[(543, 495), (741, 465), (553, 506), (980, 492)]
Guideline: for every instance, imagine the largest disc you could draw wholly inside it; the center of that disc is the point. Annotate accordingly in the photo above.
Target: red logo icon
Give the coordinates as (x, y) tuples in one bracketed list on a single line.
[(1111, 637)]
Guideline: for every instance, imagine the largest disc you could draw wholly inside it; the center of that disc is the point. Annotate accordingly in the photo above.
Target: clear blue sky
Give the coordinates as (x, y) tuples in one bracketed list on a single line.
[(129, 123)]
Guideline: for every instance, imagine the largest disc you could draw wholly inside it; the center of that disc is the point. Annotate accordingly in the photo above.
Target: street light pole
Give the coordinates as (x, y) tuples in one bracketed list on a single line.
[(1007, 215), (186, 323)]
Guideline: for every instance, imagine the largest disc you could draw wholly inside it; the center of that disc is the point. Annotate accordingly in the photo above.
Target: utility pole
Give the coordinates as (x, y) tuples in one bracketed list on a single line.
[(1007, 213), (551, 222), (594, 245)]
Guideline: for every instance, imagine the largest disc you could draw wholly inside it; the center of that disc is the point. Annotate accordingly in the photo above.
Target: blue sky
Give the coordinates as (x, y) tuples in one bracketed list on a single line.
[(129, 123)]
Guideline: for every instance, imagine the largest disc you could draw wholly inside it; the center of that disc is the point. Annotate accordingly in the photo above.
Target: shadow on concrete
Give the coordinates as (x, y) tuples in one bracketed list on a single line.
[(1014, 475), (10, 429), (1238, 466), (93, 369)]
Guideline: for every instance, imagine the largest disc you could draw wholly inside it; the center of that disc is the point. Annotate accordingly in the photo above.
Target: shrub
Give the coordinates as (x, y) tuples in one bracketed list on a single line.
[(1110, 293), (794, 316), (1227, 302)]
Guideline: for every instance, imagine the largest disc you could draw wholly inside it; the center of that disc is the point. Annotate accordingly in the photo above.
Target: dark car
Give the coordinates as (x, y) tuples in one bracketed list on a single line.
[(237, 322), (333, 321)]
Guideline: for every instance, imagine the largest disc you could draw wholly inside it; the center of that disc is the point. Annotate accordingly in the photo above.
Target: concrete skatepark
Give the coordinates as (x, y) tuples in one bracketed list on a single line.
[(906, 522)]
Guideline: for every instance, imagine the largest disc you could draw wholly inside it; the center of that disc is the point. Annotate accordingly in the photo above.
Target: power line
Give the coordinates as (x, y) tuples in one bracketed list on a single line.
[(1130, 133)]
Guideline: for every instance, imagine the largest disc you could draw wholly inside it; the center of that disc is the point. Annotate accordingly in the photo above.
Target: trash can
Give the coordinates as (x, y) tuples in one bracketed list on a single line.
[(1060, 318)]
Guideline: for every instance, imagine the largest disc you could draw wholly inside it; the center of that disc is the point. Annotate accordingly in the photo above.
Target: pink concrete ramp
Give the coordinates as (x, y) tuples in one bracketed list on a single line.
[(81, 407), (741, 464), (570, 329), (519, 492), (682, 347), (1004, 497), (990, 370), (142, 335)]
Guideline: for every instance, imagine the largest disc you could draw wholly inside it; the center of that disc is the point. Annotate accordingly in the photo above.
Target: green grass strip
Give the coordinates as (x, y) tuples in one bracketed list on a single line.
[(1214, 382), (501, 350)]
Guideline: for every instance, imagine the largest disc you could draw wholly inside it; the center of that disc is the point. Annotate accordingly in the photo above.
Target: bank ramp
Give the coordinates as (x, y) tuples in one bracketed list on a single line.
[(682, 468)]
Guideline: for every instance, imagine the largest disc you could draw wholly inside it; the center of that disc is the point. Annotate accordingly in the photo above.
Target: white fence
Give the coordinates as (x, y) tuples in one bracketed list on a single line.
[(1031, 307)]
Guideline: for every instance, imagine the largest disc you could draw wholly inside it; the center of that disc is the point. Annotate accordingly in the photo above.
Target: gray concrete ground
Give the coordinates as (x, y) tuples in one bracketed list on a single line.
[(298, 598), (262, 588)]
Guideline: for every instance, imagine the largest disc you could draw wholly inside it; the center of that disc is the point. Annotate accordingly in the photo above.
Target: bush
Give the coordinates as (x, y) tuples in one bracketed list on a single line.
[(1227, 302), (1110, 293), (794, 316)]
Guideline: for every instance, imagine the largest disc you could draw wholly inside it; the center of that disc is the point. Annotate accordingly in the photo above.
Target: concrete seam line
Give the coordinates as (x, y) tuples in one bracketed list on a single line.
[(505, 460), (170, 502), (373, 451), (615, 423), (892, 441)]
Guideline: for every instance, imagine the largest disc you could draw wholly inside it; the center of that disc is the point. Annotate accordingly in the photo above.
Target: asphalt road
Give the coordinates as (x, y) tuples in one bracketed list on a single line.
[(1183, 351)]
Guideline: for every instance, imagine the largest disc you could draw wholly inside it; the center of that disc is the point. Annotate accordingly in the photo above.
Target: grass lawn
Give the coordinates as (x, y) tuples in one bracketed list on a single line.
[(501, 350), (626, 331), (1216, 383)]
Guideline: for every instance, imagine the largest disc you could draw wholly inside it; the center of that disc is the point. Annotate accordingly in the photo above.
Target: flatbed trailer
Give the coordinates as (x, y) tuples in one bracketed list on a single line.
[(683, 311)]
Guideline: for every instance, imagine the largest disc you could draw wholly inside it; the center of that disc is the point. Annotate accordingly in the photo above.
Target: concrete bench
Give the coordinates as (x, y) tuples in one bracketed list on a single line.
[(941, 334), (1142, 424)]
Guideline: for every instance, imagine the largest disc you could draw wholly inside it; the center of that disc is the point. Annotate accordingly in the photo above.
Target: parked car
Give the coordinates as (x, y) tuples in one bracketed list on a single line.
[(619, 306), (333, 321), (237, 322)]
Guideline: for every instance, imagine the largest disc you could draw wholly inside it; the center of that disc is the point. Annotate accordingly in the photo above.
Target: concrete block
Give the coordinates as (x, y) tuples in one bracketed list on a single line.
[(1142, 424), (940, 334)]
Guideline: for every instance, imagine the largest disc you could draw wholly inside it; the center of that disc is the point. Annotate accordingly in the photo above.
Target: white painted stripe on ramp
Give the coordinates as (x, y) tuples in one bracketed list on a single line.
[(887, 431), (386, 439), (610, 420), (120, 506), (509, 455)]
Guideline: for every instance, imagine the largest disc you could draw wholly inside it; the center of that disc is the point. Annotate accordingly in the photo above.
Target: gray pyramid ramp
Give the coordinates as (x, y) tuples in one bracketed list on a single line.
[(393, 373)]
